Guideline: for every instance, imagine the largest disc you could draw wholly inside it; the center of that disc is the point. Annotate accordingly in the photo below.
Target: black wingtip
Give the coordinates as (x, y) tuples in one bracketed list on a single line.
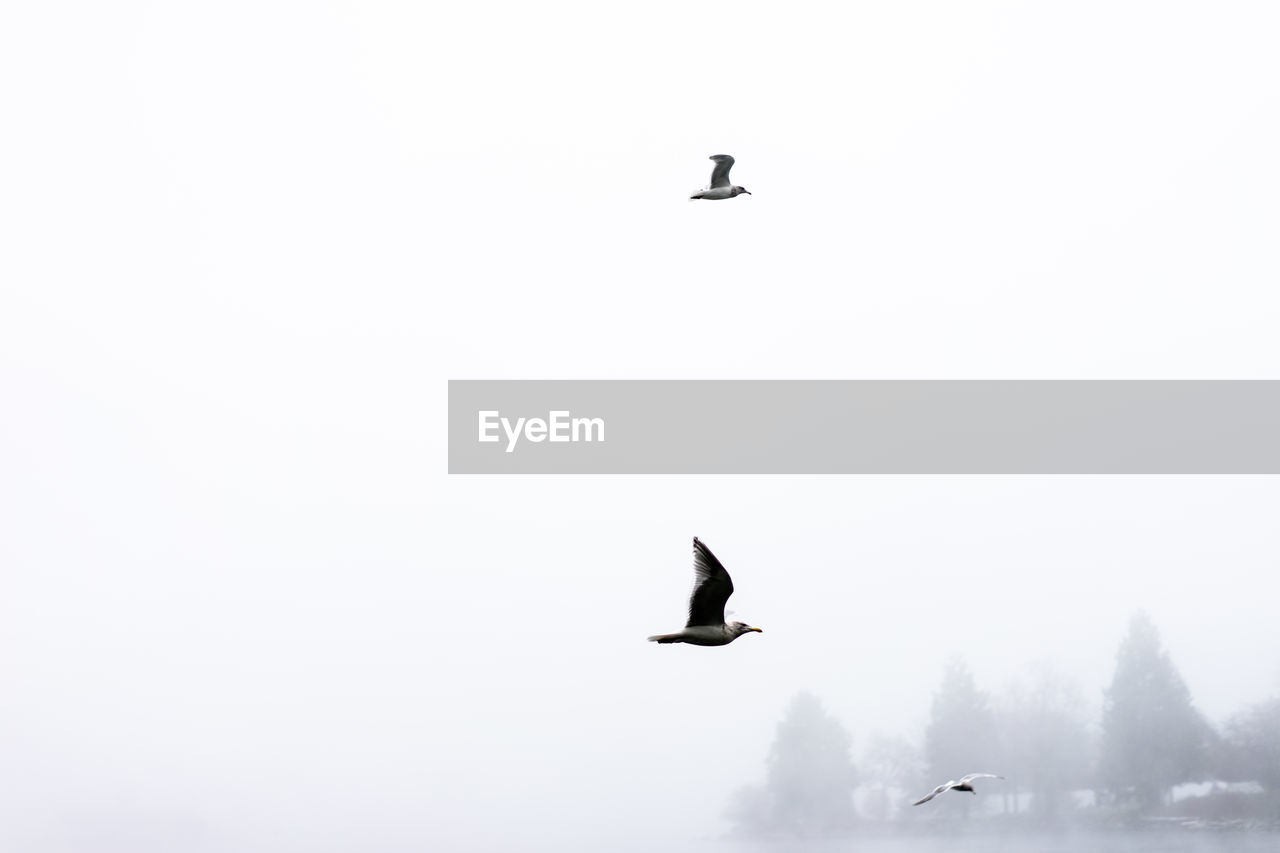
[(701, 551)]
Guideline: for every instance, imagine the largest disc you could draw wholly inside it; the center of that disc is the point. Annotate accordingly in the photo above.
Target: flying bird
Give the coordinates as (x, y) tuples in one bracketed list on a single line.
[(965, 783), (720, 186), (711, 589)]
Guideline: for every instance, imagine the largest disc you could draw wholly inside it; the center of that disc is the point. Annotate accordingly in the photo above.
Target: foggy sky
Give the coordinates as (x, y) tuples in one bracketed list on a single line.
[(244, 606)]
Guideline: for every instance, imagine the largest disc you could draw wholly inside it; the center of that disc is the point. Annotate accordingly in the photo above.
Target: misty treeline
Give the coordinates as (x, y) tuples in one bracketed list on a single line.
[(1059, 761)]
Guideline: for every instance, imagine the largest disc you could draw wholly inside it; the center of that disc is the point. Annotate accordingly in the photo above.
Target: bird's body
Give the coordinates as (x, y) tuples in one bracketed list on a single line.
[(712, 587), (964, 783), (718, 193), (701, 635), (720, 187)]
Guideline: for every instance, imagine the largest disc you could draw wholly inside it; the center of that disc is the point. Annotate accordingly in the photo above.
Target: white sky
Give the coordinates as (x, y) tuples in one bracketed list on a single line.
[(248, 243)]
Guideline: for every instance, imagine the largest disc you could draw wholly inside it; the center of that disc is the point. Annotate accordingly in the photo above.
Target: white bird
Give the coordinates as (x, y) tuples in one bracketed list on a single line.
[(711, 589), (964, 784), (720, 186)]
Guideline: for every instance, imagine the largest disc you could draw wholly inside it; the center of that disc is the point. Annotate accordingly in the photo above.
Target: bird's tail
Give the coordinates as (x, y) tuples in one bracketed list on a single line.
[(665, 638)]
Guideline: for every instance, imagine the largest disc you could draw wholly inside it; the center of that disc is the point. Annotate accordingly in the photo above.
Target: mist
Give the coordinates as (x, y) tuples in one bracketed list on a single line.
[(245, 608), (493, 690)]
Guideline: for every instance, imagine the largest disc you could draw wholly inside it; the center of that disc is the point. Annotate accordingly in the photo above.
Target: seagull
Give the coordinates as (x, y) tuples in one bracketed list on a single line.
[(711, 589), (965, 784), (720, 186)]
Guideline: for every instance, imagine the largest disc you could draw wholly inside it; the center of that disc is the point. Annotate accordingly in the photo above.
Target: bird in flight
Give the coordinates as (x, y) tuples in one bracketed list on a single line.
[(711, 589), (965, 783), (720, 186)]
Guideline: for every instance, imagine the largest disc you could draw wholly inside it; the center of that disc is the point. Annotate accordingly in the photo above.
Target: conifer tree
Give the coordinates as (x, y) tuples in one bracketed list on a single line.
[(960, 737), (1152, 735)]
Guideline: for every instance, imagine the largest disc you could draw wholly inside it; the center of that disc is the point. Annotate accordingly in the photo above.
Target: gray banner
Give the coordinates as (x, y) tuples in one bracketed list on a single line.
[(863, 427)]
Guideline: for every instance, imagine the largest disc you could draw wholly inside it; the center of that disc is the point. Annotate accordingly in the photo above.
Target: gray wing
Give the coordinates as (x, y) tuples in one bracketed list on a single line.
[(965, 780), (711, 588), (935, 792), (720, 174)]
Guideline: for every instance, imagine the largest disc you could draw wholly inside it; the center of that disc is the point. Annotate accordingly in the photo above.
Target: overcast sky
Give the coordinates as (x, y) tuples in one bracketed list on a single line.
[(248, 243)]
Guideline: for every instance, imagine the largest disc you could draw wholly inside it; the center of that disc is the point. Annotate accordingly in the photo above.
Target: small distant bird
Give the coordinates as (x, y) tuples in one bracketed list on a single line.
[(720, 186), (711, 589), (964, 784)]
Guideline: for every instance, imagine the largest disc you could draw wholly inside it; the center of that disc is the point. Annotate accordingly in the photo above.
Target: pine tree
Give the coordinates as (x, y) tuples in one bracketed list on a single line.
[(809, 785), (960, 737), (1152, 735)]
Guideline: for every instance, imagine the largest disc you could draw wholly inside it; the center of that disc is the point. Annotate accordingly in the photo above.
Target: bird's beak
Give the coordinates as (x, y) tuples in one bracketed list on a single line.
[(748, 192), (758, 630)]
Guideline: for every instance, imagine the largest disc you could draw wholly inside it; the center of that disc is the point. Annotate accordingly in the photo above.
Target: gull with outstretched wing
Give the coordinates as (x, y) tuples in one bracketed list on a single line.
[(720, 187), (964, 783), (712, 587)]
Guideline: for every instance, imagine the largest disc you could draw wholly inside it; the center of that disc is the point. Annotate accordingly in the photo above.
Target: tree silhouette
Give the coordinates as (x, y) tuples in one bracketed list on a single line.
[(1253, 743), (1152, 735), (891, 766), (960, 737), (1046, 738), (809, 785)]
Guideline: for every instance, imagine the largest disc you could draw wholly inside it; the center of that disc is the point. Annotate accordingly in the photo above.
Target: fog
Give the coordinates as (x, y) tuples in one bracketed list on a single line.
[(244, 608)]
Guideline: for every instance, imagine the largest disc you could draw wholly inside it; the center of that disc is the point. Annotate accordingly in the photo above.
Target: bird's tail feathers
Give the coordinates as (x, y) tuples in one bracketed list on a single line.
[(665, 638)]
